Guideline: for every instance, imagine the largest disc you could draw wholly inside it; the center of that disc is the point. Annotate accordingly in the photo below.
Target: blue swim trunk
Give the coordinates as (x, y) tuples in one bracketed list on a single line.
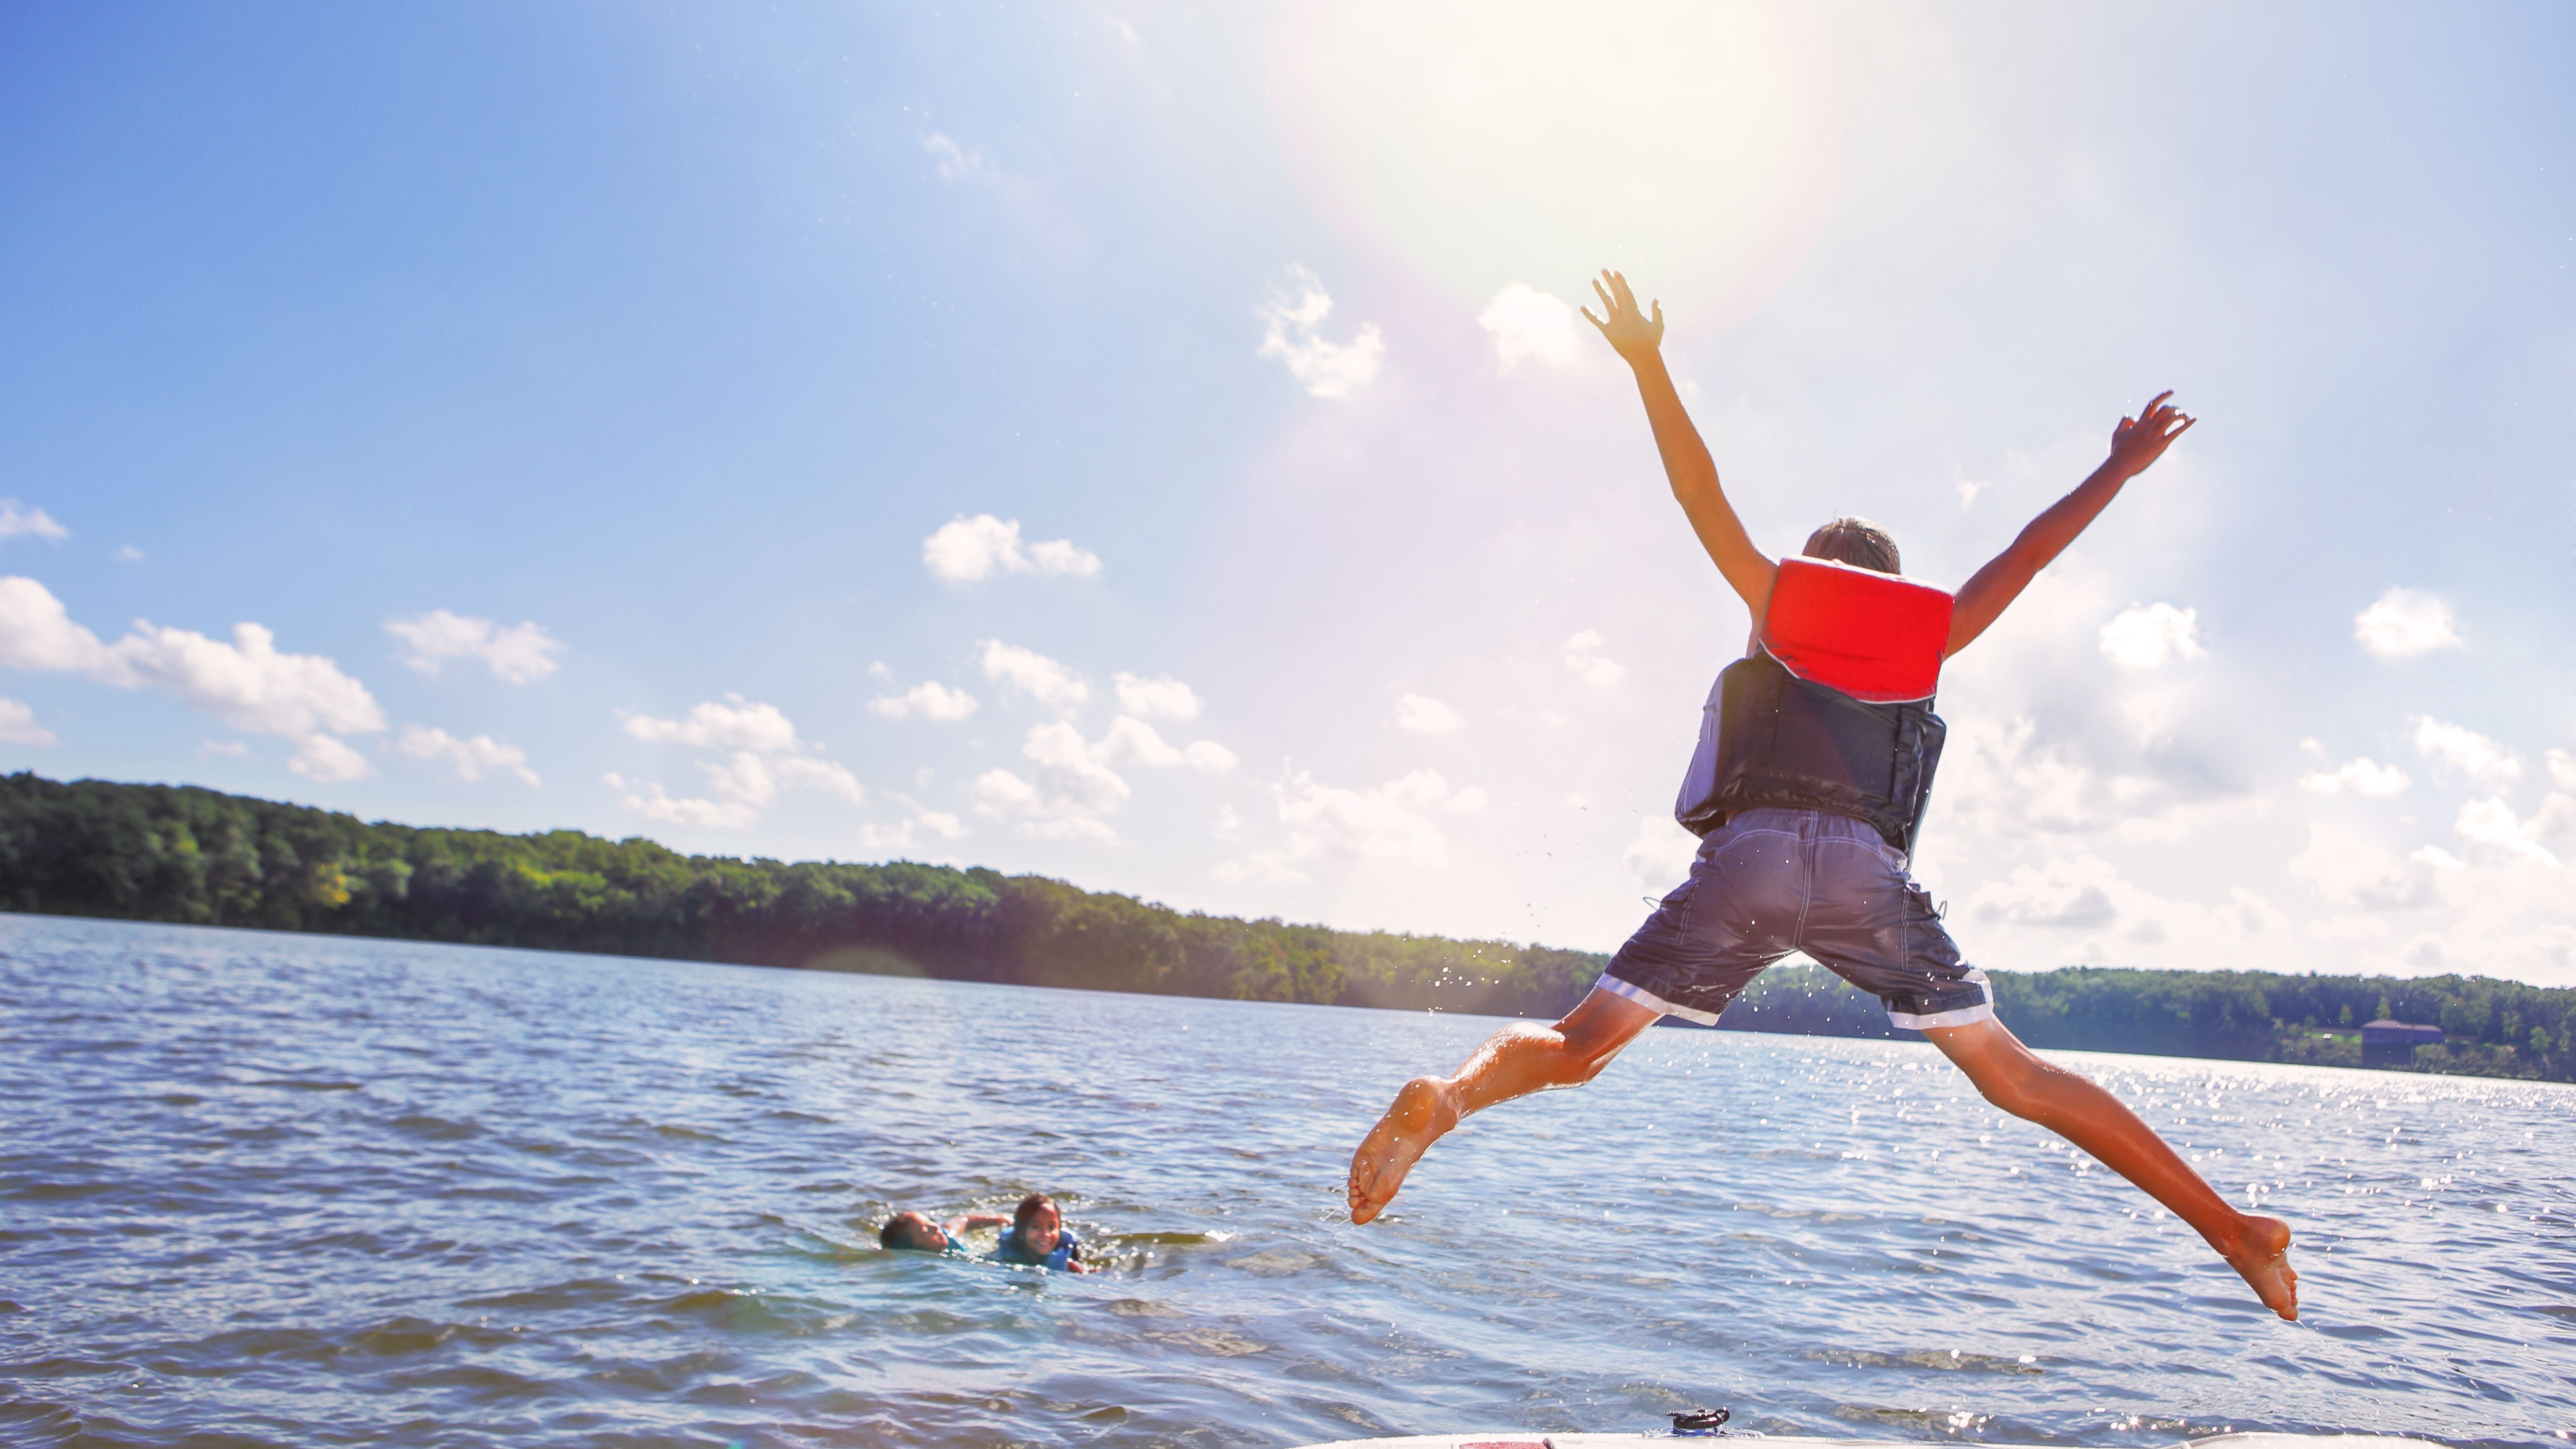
[(1769, 882)]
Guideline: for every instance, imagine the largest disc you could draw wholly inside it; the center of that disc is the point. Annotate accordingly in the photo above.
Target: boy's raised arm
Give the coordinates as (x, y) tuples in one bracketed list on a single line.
[(1639, 340), (2135, 445)]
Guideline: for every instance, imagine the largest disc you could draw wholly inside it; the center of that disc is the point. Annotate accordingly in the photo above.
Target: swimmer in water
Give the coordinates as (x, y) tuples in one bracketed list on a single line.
[(915, 1233), (1037, 1236), (1804, 849), (1033, 1236)]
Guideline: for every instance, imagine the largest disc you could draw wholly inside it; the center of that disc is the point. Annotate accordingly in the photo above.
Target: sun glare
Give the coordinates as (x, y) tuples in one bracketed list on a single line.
[(1692, 145)]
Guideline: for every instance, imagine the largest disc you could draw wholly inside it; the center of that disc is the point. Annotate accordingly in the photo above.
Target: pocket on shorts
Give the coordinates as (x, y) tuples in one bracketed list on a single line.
[(1927, 943)]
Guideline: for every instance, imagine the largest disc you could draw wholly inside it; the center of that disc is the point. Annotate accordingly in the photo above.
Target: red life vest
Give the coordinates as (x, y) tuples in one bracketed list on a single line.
[(1874, 636), (1834, 712)]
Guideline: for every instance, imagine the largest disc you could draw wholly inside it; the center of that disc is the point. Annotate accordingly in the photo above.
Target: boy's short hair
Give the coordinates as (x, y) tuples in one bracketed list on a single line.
[(900, 1232), (1030, 1207), (1855, 541)]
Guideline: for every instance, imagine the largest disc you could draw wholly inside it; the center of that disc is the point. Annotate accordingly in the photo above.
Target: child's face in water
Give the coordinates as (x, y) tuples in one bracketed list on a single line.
[(1044, 1227), (920, 1234)]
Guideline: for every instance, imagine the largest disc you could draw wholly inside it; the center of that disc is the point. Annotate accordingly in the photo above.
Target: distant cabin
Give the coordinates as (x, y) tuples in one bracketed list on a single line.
[(2388, 1043)]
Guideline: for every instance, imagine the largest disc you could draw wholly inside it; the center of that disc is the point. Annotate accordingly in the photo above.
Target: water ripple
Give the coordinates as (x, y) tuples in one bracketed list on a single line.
[(295, 1191)]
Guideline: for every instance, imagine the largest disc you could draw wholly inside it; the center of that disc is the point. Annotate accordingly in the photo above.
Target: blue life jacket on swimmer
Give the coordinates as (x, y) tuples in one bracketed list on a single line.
[(1834, 711), (1068, 1248)]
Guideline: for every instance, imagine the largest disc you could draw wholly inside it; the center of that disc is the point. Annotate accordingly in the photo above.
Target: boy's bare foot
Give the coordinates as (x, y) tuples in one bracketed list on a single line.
[(1422, 1114), (2261, 1256)]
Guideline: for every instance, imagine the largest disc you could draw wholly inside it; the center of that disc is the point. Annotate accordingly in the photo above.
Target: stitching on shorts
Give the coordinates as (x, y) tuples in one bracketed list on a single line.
[(1710, 854), (1905, 922), (1809, 839)]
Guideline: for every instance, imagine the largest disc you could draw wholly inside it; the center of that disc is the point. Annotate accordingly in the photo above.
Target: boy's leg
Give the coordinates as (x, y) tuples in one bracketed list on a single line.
[(1877, 929), (1514, 1062), (1710, 935), (2079, 1110)]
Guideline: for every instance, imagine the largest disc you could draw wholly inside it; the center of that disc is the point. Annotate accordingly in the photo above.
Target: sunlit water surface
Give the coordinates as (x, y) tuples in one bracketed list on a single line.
[(261, 1189)]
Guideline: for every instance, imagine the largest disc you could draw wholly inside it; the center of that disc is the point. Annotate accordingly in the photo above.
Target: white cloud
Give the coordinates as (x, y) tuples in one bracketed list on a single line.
[(468, 759), (928, 700), (36, 632), (741, 725), (247, 684), (1528, 325), (1030, 673), (521, 654), (2556, 819), (2465, 750), (1132, 741), (2492, 823), (1386, 823), (328, 760), (2002, 782), (1290, 331), (2350, 870), (2150, 636), (231, 749), (2076, 906), (741, 778), (2404, 622), (901, 838), (762, 756), (19, 521), (2364, 777), (1661, 854), (1390, 823), (128, 553), (1069, 785), (1163, 698), (2031, 897), (1066, 796), (999, 791), (18, 725), (1262, 867), (651, 801), (2562, 769), (965, 550), (739, 786), (1583, 656), (821, 776), (1424, 715)]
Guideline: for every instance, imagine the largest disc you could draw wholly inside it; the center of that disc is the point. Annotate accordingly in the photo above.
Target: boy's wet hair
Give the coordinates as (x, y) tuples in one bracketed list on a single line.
[(1855, 541), (1030, 1207), (897, 1234)]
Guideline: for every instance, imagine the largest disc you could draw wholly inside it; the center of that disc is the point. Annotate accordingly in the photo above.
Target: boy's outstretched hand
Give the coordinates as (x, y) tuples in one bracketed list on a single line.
[(1627, 327), (2138, 442)]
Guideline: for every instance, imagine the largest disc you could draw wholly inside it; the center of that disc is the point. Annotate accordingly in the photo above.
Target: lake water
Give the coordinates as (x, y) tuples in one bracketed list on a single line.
[(260, 1189)]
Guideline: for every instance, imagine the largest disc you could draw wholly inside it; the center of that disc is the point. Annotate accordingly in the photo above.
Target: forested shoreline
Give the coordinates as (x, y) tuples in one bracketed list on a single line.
[(187, 855)]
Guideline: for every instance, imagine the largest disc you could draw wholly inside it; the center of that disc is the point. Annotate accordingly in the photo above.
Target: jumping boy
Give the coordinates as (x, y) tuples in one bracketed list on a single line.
[(1814, 765)]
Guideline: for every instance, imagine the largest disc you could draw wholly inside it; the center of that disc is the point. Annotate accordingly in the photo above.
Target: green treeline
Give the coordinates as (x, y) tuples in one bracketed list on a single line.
[(194, 856), (181, 854)]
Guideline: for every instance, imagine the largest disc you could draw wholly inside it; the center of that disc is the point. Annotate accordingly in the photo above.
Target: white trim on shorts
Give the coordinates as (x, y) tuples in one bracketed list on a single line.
[(1964, 1016), (1961, 1016), (1645, 998)]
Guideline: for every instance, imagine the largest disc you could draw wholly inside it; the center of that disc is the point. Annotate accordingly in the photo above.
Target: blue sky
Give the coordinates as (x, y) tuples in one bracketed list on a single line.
[(1148, 445)]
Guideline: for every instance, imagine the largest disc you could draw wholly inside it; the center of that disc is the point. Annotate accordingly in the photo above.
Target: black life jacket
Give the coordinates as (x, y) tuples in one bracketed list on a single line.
[(1834, 711)]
